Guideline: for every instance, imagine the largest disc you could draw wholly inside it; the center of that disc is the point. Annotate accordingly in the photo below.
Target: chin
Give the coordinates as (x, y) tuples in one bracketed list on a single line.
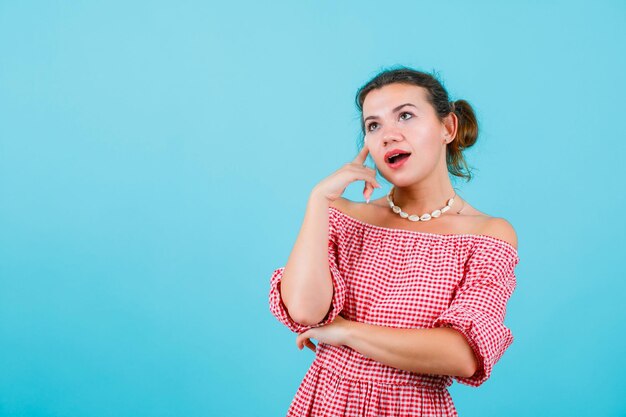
[(402, 179)]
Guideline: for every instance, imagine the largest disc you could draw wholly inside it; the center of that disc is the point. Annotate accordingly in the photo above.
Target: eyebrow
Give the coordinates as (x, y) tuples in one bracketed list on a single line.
[(393, 111)]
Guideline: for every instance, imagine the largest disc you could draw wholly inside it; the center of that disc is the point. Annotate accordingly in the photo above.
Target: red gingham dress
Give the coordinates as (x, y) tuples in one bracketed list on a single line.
[(403, 279)]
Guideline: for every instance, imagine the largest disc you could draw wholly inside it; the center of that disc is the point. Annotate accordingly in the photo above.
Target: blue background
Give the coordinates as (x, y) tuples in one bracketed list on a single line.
[(156, 159)]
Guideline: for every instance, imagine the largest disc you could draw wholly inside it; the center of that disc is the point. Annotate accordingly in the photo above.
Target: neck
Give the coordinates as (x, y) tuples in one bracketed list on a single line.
[(420, 199)]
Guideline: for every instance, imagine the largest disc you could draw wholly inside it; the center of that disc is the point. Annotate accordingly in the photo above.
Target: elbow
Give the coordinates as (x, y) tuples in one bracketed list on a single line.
[(304, 319), (307, 316), (470, 367), (467, 360), (469, 371), (308, 310)]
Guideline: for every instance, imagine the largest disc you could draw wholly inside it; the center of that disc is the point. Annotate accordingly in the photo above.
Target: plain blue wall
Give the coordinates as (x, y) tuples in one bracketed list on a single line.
[(156, 159)]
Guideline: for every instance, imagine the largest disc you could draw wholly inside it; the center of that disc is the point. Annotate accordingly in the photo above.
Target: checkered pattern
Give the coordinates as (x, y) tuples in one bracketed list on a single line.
[(403, 279)]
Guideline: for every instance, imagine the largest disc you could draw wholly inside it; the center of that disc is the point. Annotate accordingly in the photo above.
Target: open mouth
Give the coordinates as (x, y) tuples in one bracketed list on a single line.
[(394, 159)]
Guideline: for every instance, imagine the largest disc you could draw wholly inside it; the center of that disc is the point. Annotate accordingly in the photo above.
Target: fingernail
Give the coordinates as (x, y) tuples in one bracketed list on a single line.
[(368, 201)]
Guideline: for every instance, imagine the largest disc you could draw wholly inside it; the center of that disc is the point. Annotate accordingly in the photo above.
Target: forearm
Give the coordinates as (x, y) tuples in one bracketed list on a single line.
[(440, 351), (306, 286)]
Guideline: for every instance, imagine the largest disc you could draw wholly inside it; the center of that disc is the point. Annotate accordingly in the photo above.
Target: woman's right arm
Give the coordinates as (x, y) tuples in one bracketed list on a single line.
[(306, 286)]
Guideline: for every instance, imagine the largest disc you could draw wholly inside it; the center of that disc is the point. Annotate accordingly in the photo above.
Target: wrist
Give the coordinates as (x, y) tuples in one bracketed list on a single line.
[(352, 332), (316, 197)]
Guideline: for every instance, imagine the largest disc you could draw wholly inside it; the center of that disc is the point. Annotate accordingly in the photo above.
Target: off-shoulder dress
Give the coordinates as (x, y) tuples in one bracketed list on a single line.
[(403, 279)]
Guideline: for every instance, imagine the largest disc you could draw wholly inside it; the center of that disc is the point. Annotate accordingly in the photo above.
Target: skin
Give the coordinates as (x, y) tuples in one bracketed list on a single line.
[(422, 184)]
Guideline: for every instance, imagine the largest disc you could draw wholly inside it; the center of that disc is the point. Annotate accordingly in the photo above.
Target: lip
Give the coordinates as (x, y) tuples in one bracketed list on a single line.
[(393, 152), (399, 163)]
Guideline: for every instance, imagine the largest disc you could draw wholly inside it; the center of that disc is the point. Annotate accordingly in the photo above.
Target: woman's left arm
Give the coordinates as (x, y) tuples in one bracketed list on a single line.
[(440, 351)]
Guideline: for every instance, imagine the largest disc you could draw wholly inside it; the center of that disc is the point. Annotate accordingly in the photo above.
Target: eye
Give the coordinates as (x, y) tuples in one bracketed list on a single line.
[(369, 126), (406, 112)]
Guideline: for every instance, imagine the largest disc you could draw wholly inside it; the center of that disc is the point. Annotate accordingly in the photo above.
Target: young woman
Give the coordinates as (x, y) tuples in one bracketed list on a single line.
[(407, 292)]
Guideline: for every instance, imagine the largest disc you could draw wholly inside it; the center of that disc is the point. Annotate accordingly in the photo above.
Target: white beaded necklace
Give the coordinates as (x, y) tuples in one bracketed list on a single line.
[(424, 217)]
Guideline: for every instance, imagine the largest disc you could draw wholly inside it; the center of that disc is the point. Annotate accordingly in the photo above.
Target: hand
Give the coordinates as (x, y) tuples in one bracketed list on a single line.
[(333, 186), (334, 333)]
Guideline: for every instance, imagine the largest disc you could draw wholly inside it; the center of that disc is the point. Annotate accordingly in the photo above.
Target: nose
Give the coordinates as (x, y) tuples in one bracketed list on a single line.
[(392, 135), (391, 132)]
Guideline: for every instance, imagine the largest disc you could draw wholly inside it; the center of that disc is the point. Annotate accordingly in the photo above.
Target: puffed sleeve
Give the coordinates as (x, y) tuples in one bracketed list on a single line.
[(479, 306), (277, 307)]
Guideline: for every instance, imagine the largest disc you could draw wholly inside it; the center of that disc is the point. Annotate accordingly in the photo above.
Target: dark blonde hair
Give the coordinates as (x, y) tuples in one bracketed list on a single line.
[(437, 96)]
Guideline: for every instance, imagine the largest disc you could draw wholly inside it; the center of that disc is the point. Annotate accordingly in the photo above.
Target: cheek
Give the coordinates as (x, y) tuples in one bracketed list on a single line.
[(424, 129), (426, 154), (427, 141)]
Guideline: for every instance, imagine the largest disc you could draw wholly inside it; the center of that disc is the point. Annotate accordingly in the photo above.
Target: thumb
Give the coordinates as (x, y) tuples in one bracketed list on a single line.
[(301, 339)]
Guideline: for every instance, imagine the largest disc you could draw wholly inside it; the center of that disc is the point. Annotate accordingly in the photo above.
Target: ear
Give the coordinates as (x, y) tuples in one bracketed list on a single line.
[(450, 125)]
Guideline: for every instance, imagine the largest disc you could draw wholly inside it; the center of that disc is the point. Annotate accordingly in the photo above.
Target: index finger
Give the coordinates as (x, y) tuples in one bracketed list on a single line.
[(362, 156)]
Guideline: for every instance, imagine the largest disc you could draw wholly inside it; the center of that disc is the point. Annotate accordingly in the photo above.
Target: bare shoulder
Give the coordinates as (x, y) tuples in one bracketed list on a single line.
[(500, 228)]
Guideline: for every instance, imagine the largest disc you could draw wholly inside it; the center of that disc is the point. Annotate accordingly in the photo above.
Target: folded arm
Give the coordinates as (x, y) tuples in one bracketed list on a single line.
[(439, 351)]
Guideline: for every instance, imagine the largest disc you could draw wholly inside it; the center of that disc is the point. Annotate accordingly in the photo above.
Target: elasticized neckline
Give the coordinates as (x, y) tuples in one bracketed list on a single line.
[(427, 234)]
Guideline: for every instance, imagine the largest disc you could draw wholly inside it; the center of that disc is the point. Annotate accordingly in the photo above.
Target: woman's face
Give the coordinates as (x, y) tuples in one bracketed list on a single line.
[(398, 116)]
